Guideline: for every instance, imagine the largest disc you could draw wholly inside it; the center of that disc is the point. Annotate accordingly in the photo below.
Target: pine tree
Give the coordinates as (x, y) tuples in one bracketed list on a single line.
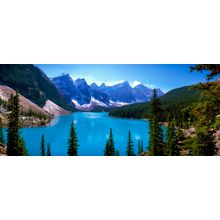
[(110, 146), (72, 142), (140, 147), (172, 148), (156, 145), (48, 149), (42, 145), (2, 137), (130, 146), (15, 144)]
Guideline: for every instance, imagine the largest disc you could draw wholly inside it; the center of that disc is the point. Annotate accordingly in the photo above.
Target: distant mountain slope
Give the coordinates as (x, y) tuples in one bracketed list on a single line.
[(32, 83), (180, 97), (183, 94)]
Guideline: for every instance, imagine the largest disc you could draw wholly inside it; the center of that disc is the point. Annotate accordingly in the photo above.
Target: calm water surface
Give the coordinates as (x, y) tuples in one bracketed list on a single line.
[(92, 131)]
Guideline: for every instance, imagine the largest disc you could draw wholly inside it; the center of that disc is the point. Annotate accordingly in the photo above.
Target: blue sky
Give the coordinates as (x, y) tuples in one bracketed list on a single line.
[(164, 76)]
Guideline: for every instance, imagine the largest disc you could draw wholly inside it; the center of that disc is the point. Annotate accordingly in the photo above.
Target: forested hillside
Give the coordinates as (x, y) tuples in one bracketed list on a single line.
[(32, 83), (171, 103)]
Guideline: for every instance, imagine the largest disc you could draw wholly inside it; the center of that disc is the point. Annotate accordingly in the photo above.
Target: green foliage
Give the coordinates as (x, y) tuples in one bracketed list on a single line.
[(130, 111), (32, 113), (72, 142), (156, 144), (202, 144), (2, 137), (130, 146), (42, 145), (172, 148), (15, 144), (48, 149), (32, 83), (110, 146)]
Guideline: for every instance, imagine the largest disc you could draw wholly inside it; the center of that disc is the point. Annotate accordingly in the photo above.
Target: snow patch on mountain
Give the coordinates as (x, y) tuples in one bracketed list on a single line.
[(135, 83), (118, 104), (88, 107)]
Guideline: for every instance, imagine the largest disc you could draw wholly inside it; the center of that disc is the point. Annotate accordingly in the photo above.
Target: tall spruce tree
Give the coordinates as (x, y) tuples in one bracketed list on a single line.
[(156, 145), (2, 137), (42, 145), (15, 144), (140, 147), (110, 146), (48, 149), (130, 146), (172, 148), (72, 142)]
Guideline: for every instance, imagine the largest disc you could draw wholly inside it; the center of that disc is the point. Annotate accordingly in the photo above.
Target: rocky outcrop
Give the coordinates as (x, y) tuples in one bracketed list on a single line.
[(54, 109)]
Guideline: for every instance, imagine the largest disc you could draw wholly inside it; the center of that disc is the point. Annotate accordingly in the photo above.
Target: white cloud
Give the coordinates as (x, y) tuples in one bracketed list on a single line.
[(150, 86), (135, 83)]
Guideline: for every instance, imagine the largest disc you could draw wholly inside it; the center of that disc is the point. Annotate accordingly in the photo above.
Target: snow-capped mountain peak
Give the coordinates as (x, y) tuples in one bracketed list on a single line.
[(88, 97)]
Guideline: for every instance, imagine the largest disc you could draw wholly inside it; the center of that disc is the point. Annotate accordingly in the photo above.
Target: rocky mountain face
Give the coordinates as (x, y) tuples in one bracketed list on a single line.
[(31, 114), (32, 83), (121, 92), (89, 97), (54, 109)]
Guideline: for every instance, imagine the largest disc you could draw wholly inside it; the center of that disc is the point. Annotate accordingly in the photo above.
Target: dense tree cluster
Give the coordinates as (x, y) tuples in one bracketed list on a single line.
[(15, 143)]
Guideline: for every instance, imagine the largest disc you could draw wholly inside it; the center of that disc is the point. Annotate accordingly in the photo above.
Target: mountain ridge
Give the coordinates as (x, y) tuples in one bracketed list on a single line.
[(83, 95)]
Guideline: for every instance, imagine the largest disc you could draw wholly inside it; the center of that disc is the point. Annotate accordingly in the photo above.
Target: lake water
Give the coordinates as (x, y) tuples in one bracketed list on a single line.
[(92, 130)]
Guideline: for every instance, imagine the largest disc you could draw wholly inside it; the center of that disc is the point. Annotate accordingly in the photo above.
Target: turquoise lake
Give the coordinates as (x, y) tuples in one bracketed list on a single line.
[(92, 130)]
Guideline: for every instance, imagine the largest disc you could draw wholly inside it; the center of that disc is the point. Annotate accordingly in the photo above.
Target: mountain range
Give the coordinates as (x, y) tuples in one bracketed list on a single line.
[(91, 97), (66, 94)]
